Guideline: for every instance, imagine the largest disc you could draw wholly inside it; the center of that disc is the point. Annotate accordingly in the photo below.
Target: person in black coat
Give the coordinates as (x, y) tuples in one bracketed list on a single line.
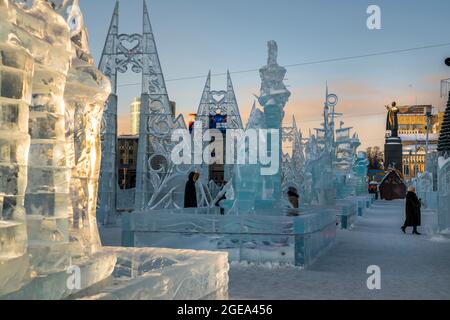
[(190, 194), (413, 214)]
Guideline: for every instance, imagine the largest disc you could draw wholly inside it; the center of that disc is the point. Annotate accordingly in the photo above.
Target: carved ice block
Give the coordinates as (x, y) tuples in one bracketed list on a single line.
[(48, 175), (16, 68)]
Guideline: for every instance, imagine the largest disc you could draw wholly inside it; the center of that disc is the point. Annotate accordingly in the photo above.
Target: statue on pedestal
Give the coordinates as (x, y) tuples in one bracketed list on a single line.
[(392, 119)]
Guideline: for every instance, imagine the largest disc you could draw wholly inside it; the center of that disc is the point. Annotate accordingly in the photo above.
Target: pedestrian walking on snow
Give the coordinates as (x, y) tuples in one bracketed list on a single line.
[(413, 212)]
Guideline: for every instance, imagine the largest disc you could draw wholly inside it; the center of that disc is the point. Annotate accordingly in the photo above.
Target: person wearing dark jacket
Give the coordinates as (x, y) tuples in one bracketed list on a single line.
[(413, 214), (293, 197), (190, 194)]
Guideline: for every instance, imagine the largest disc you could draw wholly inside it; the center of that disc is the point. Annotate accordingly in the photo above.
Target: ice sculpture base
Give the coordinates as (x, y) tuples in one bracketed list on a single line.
[(282, 238), (162, 274), (12, 274), (53, 286)]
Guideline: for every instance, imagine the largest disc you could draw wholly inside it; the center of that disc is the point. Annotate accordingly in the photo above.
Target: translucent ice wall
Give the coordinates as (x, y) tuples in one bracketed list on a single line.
[(16, 70), (48, 187)]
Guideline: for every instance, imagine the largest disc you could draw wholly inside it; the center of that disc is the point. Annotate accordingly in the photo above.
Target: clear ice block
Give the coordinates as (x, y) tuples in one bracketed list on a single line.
[(16, 70)]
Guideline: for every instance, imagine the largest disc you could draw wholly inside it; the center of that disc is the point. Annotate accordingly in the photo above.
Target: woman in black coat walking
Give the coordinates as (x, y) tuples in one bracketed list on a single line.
[(413, 214), (190, 194)]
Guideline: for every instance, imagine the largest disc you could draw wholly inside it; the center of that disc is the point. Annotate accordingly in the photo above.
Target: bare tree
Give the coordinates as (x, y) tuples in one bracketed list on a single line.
[(375, 157)]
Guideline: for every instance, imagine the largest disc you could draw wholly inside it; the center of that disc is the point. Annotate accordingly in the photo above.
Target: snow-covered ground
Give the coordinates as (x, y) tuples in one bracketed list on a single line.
[(412, 267)]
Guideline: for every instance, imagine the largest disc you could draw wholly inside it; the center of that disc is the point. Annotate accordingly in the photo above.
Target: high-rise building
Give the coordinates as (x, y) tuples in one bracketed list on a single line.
[(417, 125), (135, 111)]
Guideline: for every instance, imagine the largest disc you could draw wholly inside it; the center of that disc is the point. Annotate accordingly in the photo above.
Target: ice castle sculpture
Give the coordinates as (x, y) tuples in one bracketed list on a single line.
[(51, 103), (346, 156), (258, 223), (158, 180), (331, 168)]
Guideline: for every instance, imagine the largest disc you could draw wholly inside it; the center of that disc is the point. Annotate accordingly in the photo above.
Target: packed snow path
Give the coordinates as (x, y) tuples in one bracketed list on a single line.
[(412, 267)]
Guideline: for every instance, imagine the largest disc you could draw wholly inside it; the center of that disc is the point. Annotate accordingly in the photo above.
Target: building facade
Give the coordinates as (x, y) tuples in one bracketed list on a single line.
[(128, 154), (419, 128)]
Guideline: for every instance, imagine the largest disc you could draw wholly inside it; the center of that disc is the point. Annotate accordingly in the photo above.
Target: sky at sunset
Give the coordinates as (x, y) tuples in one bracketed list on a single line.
[(195, 36)]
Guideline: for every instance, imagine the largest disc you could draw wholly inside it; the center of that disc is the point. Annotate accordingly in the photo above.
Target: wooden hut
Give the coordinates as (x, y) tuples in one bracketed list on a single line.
[(392, 186)]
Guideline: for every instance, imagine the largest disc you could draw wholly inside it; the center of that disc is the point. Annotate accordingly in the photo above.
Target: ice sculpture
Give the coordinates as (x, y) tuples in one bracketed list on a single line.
[(255, 192), (258, 225), (360, 168), (223, 106), (425, 189), (444, 192), (50, 90), (45, 59), (273, 98), (321, 156), (85, 93), (293, 175)]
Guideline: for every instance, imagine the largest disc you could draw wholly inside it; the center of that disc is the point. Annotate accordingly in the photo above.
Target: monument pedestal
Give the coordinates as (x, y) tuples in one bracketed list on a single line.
[(393, 153)]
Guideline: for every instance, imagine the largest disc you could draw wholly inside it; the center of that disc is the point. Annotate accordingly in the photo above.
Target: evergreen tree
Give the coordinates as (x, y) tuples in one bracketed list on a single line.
[(444, 138)]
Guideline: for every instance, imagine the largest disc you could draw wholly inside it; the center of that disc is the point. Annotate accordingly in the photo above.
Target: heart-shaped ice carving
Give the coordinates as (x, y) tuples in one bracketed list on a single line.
[(218, 96), (130, 43)]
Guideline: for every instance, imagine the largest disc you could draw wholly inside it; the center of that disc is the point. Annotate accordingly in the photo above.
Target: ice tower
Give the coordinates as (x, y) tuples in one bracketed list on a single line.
[(255, 192), (139, 53), (273, 98)]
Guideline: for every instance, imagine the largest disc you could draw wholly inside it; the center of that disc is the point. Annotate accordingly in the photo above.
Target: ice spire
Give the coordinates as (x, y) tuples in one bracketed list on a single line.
[(203, 108), (107, 63), (153, 81), (232, 105)]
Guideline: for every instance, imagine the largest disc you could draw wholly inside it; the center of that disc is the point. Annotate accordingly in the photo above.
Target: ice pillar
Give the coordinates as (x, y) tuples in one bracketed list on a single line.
[(47, 191), (273, 98)]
